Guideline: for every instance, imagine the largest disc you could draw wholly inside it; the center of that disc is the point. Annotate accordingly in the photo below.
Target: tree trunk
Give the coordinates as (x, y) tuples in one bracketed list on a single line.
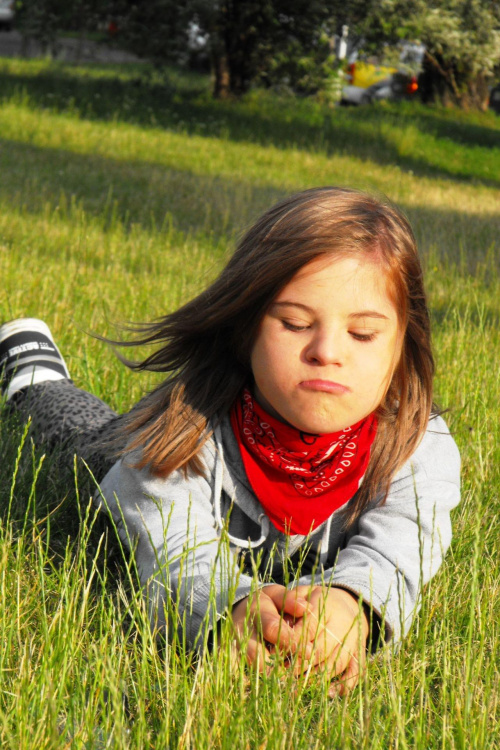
[(222, 79), (230, 51), (218, 55), (439, 83), (478, 93), (237, 78)]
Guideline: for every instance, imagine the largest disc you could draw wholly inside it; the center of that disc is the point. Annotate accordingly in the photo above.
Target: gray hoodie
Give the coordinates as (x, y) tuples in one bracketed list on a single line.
[(205, 542)]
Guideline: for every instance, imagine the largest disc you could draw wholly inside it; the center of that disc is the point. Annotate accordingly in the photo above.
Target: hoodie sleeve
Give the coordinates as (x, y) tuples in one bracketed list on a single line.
[(169, 525), (397, 547)]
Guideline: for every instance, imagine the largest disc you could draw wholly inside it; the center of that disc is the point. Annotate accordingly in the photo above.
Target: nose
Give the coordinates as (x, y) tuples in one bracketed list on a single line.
[(325, 348)]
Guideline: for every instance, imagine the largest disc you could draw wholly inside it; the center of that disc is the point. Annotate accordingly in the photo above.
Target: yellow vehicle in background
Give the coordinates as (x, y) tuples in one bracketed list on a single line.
[(367, 81), (365, 74)]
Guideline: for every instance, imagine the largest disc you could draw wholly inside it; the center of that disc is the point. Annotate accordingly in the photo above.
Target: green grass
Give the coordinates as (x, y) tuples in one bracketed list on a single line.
[(121, 195)]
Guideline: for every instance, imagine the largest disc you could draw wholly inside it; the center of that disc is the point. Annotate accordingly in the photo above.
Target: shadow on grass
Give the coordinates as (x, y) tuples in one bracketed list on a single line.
[(374, 133), (141, 193), (450, 125), (158, 199)]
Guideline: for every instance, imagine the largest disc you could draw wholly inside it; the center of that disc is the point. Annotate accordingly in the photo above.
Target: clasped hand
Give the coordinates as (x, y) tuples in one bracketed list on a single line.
[(322, 628)]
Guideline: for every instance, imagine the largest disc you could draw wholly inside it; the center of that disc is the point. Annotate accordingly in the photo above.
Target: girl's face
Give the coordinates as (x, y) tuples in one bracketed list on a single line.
[(328, 345)]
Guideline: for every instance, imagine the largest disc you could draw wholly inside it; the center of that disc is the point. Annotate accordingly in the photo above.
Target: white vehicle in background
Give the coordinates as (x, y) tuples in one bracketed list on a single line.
[(6, 14)]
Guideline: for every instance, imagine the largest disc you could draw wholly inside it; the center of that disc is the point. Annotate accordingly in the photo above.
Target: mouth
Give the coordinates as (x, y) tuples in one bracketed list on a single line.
[(324, 386)]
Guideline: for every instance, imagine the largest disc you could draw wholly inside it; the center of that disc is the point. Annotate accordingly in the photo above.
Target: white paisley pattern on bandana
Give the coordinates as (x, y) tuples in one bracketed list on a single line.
[(315, 462), (288, 468)]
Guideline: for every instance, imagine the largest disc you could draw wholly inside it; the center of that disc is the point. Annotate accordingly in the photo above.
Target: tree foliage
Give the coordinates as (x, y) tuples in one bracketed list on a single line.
[(462, 41), (40, 21), (274, 41), (157, 30), (43, 20), (290, 41), (247, 41)]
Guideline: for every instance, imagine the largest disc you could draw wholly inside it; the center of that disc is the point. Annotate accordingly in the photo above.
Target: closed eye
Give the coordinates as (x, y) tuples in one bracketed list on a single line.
[(362, 336), (293, 327)]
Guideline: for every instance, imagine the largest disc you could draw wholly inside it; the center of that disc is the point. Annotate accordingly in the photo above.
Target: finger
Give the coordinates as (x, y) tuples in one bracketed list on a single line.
[(334, 690), (286, 600), (347, 670), (257, 655), (299, 664), (355, 670), (325, 644), (339, 660), (313, 620), (329, 655), (277, 632), (304, 592), (294, 604), (348, 680), (332, 664), (307, 626)]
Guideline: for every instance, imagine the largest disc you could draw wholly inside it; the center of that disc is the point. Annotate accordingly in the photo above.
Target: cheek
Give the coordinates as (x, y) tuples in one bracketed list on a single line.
[(396, 353), (268, 350), (389, 366), (375, 372), (262, 364)]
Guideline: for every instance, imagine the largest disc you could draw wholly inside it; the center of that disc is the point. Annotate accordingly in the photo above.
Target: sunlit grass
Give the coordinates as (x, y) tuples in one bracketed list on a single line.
[(120, 207)]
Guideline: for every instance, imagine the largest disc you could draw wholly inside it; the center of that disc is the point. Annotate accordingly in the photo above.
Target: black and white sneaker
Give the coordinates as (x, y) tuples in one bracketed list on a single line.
[(28, 355)]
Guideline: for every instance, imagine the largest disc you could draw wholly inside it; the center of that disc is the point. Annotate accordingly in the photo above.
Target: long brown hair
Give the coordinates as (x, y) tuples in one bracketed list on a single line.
[(205, 346)]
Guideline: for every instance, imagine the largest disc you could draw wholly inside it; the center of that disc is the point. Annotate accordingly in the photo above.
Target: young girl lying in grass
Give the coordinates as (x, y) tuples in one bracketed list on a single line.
[(295, 423)]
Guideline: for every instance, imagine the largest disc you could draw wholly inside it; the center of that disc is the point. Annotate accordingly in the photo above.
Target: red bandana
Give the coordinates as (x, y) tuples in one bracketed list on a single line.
[(299, 478)]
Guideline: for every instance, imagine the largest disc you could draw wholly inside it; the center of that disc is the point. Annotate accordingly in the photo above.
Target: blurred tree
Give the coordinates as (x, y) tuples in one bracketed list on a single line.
[(264, 40), (462, 41), (274, 41), (43, 20), (246, 41), (289, 41), (243, 37), (40, 21), (157, 29)]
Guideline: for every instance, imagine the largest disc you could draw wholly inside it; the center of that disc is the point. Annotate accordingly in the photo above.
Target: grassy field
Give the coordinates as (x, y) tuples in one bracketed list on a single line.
[(120, 197)]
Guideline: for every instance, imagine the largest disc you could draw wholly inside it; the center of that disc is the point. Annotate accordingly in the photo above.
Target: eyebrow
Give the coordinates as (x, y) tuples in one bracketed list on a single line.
[(357, 315), (369, 314), (292, 304)]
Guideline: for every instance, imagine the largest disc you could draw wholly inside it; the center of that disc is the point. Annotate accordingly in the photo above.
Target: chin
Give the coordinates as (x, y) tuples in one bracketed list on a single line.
[(326, 430), (320, 426), (323, 421)]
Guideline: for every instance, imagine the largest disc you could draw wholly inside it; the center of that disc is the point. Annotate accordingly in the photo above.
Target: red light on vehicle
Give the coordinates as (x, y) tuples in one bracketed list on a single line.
[(351, 68), (412, 86)]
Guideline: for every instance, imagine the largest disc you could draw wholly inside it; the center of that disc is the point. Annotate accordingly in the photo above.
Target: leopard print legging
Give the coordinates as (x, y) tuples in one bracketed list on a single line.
[(67, 417)]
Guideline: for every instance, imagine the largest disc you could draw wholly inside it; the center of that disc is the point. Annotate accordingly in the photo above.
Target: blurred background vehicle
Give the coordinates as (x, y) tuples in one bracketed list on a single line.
[(374, 79), (6, 15)]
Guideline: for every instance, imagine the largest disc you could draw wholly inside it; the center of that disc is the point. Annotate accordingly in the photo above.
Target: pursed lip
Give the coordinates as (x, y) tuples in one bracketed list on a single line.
[(326, 386)]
